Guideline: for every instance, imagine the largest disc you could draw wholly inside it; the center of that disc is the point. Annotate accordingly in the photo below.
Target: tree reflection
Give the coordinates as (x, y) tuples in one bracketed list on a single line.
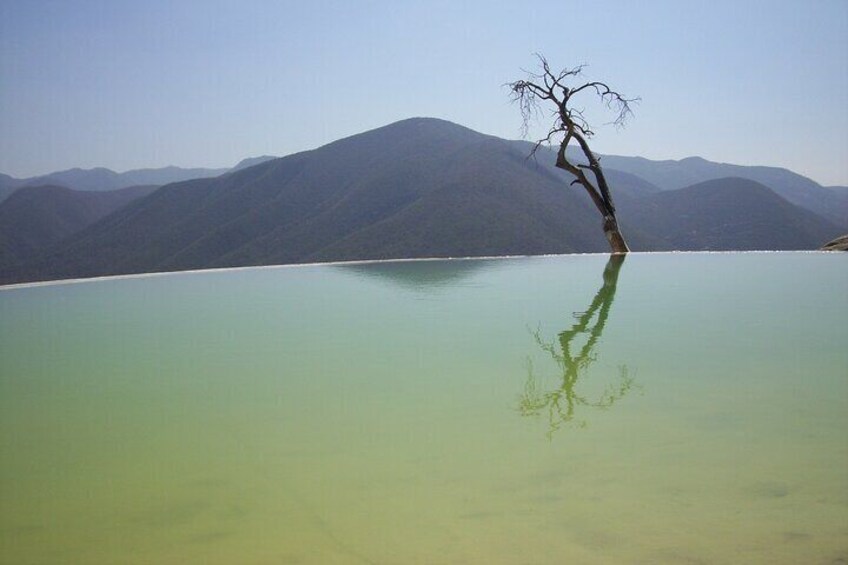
[(562, 402)]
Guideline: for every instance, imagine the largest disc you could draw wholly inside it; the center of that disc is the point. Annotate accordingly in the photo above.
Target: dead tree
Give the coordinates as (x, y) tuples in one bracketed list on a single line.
[(555, 89)]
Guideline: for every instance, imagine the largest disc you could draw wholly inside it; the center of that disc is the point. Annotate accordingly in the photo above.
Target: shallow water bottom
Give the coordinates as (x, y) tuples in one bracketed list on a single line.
[(557, 410)]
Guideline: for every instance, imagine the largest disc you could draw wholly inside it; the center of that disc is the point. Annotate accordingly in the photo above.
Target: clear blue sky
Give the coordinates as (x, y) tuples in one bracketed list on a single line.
[(205, 83)]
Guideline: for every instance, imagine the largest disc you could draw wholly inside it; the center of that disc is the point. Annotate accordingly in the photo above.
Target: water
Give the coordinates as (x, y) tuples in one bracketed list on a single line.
[(668, 409)]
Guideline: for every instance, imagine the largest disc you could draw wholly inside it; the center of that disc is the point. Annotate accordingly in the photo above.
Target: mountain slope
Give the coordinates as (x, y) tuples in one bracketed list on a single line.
[(420, 187), (251, 161), (730, 214), (515, 207), (8, 185), (36, 217), (102, 179), (622, 183), (105, 179), (842, 191), (797, 189)]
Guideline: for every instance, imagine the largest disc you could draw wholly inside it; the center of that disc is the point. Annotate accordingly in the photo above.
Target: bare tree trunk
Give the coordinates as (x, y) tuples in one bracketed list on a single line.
[(614, 237), (604, 205)]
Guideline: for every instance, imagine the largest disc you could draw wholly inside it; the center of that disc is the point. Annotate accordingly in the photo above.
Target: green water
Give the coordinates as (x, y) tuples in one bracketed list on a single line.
[(686, 408)]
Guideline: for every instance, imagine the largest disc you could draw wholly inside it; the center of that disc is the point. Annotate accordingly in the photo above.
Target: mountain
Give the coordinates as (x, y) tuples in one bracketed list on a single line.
[(166, 175), (830, 202), (730, 214), (5, 192), (35, 217), (251, 161), (106, 179), (102, 179), (421, 187), (417, 188), (840, 190), (8, 185), (627, 184), (7, 182), (797, 189)]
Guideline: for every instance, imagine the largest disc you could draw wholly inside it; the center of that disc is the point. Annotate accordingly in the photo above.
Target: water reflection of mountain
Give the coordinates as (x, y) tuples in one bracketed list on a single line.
[(563, 401), (422, 275)]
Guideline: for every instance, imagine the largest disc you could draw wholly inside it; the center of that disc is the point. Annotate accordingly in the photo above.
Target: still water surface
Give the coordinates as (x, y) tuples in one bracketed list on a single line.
[(684, 408)]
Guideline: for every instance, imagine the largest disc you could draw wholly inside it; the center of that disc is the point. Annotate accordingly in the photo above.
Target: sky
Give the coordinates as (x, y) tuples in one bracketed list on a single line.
[(206, 83)]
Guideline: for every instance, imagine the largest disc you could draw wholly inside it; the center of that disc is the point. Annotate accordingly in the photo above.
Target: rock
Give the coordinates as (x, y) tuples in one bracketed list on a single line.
[(838, 244)]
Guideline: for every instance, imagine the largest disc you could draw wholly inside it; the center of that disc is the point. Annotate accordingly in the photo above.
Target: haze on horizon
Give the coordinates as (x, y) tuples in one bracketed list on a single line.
[(200, 83)]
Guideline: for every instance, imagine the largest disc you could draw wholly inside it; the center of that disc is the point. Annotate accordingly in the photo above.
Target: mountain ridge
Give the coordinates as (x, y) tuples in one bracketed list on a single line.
[(421, 187), (753, 217), (674, 174), (669, 174), (104, 179), (35, 217)]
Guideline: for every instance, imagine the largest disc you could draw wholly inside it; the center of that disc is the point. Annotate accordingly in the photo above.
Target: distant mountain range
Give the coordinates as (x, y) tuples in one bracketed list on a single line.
[(417, 188), (100, 179), (797, 189), (729, 213)]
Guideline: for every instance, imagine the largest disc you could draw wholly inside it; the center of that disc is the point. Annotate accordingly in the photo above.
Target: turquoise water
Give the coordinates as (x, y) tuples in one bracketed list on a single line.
[(685, 408)]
